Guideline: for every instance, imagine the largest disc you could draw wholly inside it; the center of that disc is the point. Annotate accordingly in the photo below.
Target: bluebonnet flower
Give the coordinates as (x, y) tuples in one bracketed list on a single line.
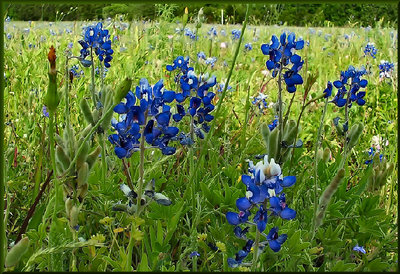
[(327, 36), (44, 110), (260, 101), (180, 63), (201, 55), (70, 45), (190, 34), (9, 36), (248, 47), (236, 34), (282, 53), (223, 33), (200, 105), (211, 61), (97, 38), (265, 183), (274, 124), (52, 32), (194, 253), (354, 75), (97, 71), (370, 50), (274, 240), (359, 249), (221, 87), (242, 254), (371, 154), (75, 73), (328, 90), (385, 69), (8, 19), (67, 30), (151, 102), (212, 32)]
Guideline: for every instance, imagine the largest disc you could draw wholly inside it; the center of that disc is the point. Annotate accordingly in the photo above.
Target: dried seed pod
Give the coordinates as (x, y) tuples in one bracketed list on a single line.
[(16, 252), (68, 206), (92, 157), (355, 133), (326, 155), (327, 195), (83, 174), (73, 218), (82, 191), (62, 158), (87, 113), (320, 154), (82, 155)]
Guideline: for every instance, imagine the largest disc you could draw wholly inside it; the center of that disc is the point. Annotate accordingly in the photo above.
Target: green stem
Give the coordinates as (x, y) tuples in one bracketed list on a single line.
[(103, 158), (218, 107), (139, 197), (317, 144), (53, 162), (92, 77), (141, 167), (255, 256), (278, 158)]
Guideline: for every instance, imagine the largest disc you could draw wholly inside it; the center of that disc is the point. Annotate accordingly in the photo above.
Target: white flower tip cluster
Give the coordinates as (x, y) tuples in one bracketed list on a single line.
[(267, 169), (125, 189)]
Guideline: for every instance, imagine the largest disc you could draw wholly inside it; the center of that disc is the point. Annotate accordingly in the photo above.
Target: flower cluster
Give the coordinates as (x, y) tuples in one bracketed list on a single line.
[(74, 71), (248, 47), (212, 32), (385, 69), (200, 104), (260, 101), (151, 103), (265, 184), (370, 50), (274, 124), (97, 38), (190, 34), (354, 85), (371, 154), (236, 34), (282, 53)]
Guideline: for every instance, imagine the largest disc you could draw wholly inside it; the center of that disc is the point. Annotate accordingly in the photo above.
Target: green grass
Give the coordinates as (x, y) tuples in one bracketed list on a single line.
[(353, 216)]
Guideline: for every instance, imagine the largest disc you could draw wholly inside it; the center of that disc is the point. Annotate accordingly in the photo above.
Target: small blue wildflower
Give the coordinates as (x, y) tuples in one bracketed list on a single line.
[(211, 61), (281, 53), (193, 254), (275, 241), (260, 101), (241, 255), (45, 113), (70, 45), (221, 87), (359, 249), (236, 34), (328, 90), (212, 32), (370, 50), (9, 36), (97, 38), (201, 55), (385, 69), (354, 75), (273, 125), (248, 47)]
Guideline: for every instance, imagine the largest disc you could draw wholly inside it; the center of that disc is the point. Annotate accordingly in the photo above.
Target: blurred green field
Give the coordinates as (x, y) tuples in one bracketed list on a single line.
[(143, 49)]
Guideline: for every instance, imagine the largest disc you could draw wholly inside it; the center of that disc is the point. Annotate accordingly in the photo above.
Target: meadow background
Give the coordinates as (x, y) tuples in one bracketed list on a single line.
[(142, 49)]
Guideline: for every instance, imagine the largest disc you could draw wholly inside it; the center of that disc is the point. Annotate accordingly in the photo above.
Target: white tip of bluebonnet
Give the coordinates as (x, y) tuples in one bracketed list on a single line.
[(125, 189), (275, 169)]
